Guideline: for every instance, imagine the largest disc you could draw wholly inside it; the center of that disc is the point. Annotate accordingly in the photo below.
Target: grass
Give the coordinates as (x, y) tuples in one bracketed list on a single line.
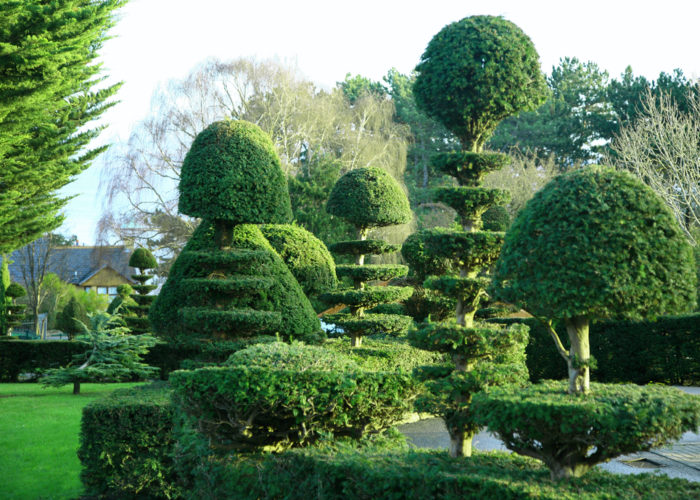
[(39, 431)]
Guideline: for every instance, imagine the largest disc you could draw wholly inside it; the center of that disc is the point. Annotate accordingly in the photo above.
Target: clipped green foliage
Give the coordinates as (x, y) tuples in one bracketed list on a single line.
[(476, 72), (369, 296), (306, 256), (427, 304), (370, 324), (369, 197), (126, 443), (361, 247), (251, 407), (14, 313), (15, 291), (251, 256), (385, 355), (595, 243), (73, 319), (232, 173), (471, 201), (421, 262), (468, 167), (496, 218), (472, 249), (142, 258), (377, 272), (572, 434), (294, 357), (418, 474)]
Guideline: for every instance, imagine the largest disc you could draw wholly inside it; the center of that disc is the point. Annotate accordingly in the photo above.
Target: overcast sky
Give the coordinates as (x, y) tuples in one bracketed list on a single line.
[(157, 40)]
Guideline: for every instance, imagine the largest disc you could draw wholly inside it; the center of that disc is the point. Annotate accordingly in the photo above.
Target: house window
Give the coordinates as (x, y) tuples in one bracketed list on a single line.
[(101, 290), (88, 288), (112, 291)]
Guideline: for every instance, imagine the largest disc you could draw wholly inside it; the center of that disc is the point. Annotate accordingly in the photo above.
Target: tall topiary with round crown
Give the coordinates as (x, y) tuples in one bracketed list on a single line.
[(228, 282), (474, 73), (368, 198), (137, 321)]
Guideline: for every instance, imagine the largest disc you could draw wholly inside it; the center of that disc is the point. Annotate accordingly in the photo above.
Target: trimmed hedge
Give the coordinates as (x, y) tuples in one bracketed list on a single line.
[(665, 351), (125, 444), (380, 355), (375, 272), (360, 247), (30, 356), (417, 474)]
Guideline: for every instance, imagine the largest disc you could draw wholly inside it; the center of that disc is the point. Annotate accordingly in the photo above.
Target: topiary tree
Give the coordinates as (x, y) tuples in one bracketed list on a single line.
[(4, 300), (137, 321), (72, 319), (594, 244), (121, 303), (368, 198), (473, 73), (306, 256), (14, 313), (228, 282), (476, 72)]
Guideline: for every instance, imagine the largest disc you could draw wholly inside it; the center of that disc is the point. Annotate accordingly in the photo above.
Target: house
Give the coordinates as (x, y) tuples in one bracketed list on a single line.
[(99, 268)]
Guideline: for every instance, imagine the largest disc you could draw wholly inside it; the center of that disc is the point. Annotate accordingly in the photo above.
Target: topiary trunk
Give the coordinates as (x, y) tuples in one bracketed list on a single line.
[(76, 387), (579, 355)]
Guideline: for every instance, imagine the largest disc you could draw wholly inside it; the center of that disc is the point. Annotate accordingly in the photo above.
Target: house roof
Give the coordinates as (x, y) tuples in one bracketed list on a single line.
[(76, 264)]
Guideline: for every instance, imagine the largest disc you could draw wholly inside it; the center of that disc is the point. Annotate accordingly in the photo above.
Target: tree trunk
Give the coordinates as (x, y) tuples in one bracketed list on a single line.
[(35, 311), (460, 443), (362, 235), (355, 341), (579, 355), (76, 387), (558, 471), (223, 234)]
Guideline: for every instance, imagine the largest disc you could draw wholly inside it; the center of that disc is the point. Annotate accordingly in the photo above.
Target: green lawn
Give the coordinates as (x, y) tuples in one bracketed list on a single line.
[(39, 437)]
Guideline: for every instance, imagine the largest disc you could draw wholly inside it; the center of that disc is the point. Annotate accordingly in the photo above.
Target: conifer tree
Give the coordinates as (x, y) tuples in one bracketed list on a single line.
[(4, 283), (474, 73), (368, 198), (142, 259), (48, 95), (14, 313)]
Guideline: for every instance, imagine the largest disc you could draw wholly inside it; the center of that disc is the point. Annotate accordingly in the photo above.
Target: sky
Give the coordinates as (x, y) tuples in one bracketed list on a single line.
[(158, 40)]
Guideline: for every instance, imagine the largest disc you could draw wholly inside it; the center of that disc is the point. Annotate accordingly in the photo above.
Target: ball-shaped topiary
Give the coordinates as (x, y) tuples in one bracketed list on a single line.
[(476, 72), (593, 244), (232, 173), (369, 197), (142, 258), (496, 218), (15, 291), (306, 256)]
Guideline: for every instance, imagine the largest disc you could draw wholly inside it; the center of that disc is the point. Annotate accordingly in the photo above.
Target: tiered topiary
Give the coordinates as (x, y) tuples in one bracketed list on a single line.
[(137, 321), (368, 198), (228, 282), (73, 319), (474, 73), (592, 244), (14, 312)]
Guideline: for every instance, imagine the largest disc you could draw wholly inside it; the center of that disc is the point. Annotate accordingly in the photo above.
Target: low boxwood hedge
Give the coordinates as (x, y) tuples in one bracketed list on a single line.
[(125, 444), (304, 473)]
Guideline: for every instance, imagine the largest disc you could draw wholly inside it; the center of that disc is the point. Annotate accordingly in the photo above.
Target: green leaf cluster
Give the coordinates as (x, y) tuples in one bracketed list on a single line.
[(471, 202), (575, 433), (476, 72), (232, 173), (371, 323), (472, 250), (376, 272), (469, 167), (368, 297), (423, 263), (362, 247), (597, 243)]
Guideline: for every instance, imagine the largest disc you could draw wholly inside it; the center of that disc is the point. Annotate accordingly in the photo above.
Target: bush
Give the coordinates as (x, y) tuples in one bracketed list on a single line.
[(125, 444), (31, 356), (249, 407), (252, 257), (496, 218), (379, 355), (232, 173), (571, 434), (306, 256), (142, 258), (293, 357), (418, 475)]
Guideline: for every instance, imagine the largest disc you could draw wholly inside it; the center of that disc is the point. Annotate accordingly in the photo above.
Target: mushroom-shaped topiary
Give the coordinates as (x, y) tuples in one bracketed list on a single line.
[(474, 73), (232, 173), (141, 259), (228, 282), (14, 312), (594, 244), (367, 198)]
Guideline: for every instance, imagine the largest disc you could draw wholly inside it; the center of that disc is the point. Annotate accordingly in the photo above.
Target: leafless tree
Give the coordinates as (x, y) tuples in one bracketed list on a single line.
[(662, 148)]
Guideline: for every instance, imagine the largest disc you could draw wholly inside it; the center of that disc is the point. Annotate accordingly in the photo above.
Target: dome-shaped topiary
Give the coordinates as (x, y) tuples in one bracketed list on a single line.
[(232, 173), (15, 291), (142, 258), (476, 72), (369, 197), (306, 256)]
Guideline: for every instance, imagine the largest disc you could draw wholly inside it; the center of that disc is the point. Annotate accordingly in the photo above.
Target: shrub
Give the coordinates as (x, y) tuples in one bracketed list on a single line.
[(572, 434), (125, 444), (385, 355), (595, 244), (31, 356), (72, 319), (142, 258), (249, 407), (136, 315), (306, 256), (251, 256), (295, 357), (232, 173), (417, 474), (496, 218)]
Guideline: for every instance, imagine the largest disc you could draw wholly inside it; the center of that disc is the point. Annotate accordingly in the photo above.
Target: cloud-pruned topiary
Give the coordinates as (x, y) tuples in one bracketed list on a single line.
[(306, 256), (257, 280), (476, 72), (232, 173), (142, 258), (369, 197), (594, 244), (136, 314)]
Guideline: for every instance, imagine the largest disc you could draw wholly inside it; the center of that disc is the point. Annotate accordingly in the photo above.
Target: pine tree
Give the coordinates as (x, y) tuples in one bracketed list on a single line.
[(137, 321), (47, 97)]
